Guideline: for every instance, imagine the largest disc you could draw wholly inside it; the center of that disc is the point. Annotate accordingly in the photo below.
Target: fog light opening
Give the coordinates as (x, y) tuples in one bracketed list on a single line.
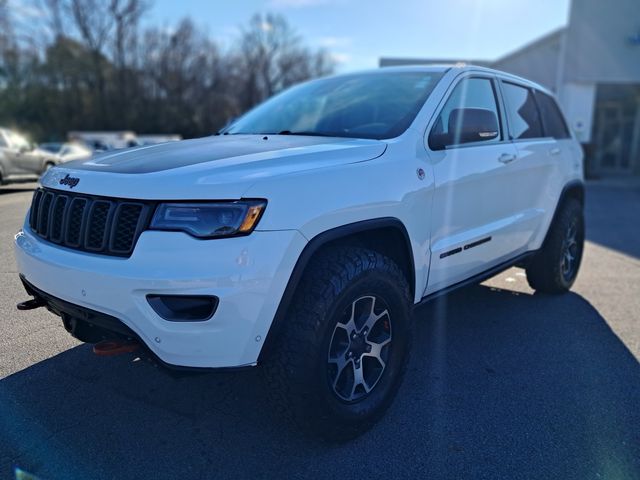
[(184, 308)]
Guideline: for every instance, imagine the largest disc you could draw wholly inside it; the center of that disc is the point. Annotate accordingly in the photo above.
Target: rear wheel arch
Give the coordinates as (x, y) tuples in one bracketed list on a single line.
[(386, 235), (572, 190)]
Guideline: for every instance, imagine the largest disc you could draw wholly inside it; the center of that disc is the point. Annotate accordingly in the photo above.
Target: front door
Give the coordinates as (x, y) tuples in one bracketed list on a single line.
[(473, 212)]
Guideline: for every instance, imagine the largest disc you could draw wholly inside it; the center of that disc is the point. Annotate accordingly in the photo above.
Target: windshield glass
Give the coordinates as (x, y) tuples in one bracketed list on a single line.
[(18, 141), (50, 147), (374, 105)]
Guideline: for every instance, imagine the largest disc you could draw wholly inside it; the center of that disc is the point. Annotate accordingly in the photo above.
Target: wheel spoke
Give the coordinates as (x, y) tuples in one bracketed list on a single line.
[(349, 327), (341, 363), (373, 319), (376, 350), (571, 234), (358, 379)]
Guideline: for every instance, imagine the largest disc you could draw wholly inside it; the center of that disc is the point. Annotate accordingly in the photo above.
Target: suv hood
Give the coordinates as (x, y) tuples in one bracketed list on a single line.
[(221, 167)]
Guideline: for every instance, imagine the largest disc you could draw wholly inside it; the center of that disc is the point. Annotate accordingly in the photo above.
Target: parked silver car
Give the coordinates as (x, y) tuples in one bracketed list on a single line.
[(19, 161), (66, 152)]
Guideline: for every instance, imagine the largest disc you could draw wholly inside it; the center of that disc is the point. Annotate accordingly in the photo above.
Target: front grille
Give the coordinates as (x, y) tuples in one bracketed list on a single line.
[(108, 226)]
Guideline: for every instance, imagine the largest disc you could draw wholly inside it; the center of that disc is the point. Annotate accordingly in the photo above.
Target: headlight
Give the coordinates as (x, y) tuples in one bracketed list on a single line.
[(209, 220)]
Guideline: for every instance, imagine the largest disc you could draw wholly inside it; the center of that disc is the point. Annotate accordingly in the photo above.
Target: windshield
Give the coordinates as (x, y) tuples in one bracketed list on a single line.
[(18, 141), (374, 105), (50, 147)]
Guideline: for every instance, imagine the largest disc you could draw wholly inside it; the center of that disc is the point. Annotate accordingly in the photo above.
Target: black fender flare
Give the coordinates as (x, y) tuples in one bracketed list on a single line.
[(572, 189), (315, 244)]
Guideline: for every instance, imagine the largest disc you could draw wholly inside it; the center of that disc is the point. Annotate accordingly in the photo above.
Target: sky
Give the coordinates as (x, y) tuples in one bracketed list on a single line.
[(358, 32)]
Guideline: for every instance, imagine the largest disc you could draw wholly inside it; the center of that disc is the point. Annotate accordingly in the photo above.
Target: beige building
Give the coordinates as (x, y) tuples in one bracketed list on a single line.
[(593, 65)]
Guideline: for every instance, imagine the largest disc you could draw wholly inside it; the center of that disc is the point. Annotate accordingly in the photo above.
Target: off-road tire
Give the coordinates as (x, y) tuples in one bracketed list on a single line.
[(297, 370), (546, 271)]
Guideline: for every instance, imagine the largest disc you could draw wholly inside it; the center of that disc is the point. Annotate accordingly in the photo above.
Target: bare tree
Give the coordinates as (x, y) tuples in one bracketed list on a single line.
[(272, 58), (5, 25), (126, 16), (54, 16), (94, 67), (94, 23), (186, 72)]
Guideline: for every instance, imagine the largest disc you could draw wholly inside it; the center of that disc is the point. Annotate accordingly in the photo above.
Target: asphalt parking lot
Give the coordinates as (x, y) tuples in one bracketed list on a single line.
[(502, 384)]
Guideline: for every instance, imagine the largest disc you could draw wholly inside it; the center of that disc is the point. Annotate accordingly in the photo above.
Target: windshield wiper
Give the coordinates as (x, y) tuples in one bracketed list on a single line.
[(282, 132), (310, 134)]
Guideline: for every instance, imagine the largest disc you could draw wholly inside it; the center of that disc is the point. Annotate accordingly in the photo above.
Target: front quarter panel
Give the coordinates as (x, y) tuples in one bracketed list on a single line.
[(316, 201)]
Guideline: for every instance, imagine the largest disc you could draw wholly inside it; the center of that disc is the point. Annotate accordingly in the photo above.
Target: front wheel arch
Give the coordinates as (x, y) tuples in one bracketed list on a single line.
[(386, 235)]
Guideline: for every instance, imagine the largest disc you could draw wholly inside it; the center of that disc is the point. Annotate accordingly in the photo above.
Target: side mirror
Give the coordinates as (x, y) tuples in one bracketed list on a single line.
[(466, 125), (472, 125), (24, 149)]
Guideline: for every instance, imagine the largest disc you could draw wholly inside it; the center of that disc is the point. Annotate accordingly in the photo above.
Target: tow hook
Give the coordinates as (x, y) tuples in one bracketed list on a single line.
[(31, 304), (107, 348)]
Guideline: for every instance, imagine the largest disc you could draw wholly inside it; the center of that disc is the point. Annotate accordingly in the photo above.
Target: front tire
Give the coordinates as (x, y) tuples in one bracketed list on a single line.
[(345, 346), (555, 267)]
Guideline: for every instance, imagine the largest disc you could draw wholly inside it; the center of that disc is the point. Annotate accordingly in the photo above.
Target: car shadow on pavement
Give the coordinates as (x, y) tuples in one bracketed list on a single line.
[(501, 385)]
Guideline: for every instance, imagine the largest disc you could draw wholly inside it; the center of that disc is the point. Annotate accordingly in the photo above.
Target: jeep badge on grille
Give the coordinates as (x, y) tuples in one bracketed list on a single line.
[(71, 181)]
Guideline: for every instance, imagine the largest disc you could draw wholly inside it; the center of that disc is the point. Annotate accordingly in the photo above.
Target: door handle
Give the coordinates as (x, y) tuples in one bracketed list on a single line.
[(554, 151), (506, 158)]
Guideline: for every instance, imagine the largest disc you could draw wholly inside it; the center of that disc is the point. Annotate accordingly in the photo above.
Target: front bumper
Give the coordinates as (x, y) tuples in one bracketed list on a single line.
[(248, 274)]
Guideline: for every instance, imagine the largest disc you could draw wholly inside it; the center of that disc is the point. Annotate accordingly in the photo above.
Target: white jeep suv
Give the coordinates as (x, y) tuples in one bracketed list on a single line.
[(301, 237)]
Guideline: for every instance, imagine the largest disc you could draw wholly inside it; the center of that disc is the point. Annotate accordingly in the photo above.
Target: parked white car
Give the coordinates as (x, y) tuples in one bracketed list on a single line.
[(66, 152), (302, 236), (19, 160)]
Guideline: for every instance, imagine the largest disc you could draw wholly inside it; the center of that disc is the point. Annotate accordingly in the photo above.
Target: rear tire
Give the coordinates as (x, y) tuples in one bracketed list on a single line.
[(555, 267), (349, 322)]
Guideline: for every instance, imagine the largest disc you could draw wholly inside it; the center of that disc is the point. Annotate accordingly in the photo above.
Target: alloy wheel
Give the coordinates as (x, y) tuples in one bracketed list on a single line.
[(570, 252), (359, 348)]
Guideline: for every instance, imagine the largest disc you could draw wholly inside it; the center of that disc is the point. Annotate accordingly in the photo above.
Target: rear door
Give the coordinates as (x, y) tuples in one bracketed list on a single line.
[(537, 171), (473, 217), (555, 126)]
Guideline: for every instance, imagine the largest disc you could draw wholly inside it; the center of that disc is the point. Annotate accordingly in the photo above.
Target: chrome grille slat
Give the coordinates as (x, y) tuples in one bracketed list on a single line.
[(107, 226)]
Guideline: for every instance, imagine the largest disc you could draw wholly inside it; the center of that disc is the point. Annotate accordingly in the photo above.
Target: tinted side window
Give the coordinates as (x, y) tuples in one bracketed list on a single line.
[(472, 101), (3, 142), (524, 118), (552, 120)]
